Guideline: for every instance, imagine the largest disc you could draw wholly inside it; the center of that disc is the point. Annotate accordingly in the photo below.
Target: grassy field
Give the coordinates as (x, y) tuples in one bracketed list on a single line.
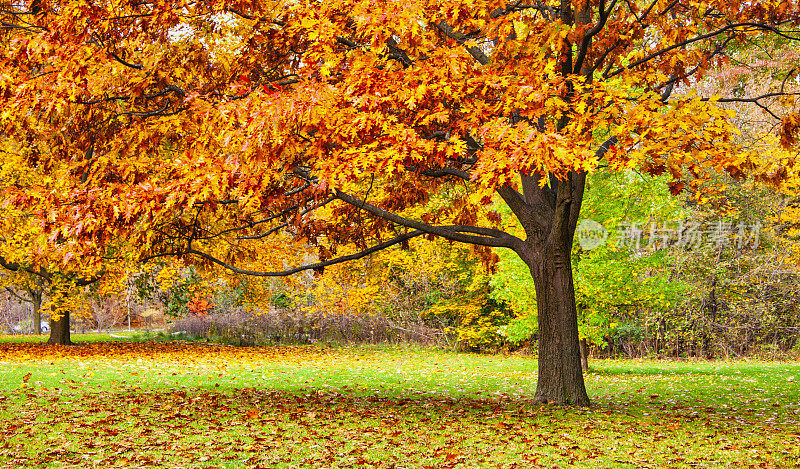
[(176, 404)]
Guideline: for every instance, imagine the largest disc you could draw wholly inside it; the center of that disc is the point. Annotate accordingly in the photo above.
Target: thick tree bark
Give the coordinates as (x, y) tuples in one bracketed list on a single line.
[(560, 379), (549, 214), (59, 331)]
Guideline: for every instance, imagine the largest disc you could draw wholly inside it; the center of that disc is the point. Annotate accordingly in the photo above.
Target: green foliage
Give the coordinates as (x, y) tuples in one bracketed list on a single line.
[(737, 300), (177, 299), (612, 285), (146, 283), (616, 280), (512, 283), (628, 196), (177, 294), (520, 329), (281, 300), (157, 336), (630, 331), (612, 281)]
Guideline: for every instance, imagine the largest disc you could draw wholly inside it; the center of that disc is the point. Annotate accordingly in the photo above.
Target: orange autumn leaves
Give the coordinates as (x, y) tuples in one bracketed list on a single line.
[(172, 351), (205, 130)]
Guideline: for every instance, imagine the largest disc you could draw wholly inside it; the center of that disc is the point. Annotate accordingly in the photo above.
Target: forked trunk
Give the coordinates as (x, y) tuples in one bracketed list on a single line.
[(59, 330), (560, 375), (548, 210)]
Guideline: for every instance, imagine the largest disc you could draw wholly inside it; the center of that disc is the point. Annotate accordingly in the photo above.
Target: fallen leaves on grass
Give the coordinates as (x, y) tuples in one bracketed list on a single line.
[(151, 404), (173, 350), (325, 429)]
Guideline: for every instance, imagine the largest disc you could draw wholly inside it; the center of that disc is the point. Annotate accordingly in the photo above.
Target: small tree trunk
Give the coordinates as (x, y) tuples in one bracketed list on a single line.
[(36, 299), (59, 330), (584, 355)]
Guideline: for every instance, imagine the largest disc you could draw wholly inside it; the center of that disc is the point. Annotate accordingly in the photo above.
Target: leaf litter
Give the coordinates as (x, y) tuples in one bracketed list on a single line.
[(182, 404)]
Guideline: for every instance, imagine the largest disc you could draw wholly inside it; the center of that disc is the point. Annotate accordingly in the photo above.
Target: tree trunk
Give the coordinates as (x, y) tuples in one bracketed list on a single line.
[(548, 210), (36, 295), (59, 330), (560, 376), (36, 300), (584, 356)]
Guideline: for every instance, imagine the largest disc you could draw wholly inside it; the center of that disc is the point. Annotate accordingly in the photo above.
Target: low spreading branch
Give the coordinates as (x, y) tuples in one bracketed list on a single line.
[(317, 266)]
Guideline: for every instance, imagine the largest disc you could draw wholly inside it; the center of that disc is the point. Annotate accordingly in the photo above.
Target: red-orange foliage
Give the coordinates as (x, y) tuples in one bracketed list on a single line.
[(199, 305)]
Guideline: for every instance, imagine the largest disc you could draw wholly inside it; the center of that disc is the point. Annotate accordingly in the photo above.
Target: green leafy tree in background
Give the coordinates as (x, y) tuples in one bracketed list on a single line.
[(631, 270), (616, 278)]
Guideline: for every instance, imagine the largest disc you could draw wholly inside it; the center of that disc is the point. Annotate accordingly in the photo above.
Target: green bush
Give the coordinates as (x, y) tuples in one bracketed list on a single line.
[(520, 329)]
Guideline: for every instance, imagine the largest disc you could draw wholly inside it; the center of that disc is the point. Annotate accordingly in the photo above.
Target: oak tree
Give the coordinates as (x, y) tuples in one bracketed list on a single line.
[(203, 129)]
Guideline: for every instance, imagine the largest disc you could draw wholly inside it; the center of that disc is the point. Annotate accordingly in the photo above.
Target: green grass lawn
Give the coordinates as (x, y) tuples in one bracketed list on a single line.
[(176, 404), (76, 337)]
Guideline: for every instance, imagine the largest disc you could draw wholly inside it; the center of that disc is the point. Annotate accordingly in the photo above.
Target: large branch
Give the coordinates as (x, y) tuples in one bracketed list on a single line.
[(99, 43), (686, 42), (284, 225), (209, 235), (611, 141), (9, 26), (757, 100), (480, 236), (47, 276), (395, 51), (531, 211), (442, 172), (605, 146), (474, 51), (16, 267), (314, 266), (587, 38), (17, 296)]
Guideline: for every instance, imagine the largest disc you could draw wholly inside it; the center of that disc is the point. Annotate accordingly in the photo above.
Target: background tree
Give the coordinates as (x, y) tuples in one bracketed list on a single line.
[(40, 261), (194, 130), (741, 296), (26, 288), (631, 271)]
